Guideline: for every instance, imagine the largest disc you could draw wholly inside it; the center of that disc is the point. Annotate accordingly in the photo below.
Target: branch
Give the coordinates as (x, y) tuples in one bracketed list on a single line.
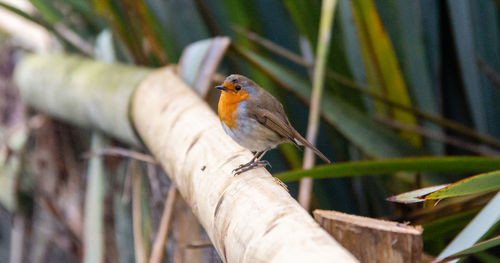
[(249, 218)]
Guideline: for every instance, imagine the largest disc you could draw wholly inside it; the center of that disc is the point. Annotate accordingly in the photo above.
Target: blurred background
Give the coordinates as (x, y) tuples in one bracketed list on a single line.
[(403, 78)]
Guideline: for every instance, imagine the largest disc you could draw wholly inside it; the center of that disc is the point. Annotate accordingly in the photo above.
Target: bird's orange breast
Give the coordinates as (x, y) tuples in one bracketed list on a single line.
[(228, 107)]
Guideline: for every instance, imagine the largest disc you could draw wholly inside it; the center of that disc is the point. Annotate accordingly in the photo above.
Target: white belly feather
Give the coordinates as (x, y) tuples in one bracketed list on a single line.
[(252, 135)]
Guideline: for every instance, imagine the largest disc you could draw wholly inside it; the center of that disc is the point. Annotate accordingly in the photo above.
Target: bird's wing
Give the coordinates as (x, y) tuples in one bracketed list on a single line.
[(269, 112), (273, 122), (285, 130)]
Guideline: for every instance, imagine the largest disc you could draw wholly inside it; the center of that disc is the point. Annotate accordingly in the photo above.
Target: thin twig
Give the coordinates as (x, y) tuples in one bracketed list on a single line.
[(77, 41), (140, 253), (271, 46), (199, 244), (436, 135), (307, 54), (325, 27), (159, 245), (116, 151), (47, 203), (154, 183), (489, 72)]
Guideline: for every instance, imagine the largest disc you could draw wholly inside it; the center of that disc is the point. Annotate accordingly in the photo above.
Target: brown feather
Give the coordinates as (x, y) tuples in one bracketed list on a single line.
[(307, 144), (269, 112)]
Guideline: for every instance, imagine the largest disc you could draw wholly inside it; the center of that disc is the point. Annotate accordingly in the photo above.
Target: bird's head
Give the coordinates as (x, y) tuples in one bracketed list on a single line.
[(236, 88)]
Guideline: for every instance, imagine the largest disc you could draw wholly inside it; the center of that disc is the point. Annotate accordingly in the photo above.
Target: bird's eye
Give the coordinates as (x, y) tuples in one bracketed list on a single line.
[(237, 87)]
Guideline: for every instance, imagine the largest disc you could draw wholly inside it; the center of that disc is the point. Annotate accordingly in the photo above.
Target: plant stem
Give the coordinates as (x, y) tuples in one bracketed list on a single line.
[(327, 12), (159, 246)]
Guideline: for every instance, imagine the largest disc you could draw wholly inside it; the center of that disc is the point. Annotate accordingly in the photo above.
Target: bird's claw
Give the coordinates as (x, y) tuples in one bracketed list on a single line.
[(251, 165)]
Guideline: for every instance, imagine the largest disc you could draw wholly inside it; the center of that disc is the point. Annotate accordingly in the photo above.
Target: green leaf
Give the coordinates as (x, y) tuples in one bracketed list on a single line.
[(482, 222), (415, 196), (351, 42), (414, 63), (372, 138), (447, 225), (462, 27), (486, 29), (472, 185), (481, 246), (48, 11), (383, 72), (126, 29), (415, 164), (307, 24)]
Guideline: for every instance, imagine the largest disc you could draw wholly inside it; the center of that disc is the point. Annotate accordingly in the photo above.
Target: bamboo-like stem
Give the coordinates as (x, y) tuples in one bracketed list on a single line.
[(249, 218), (18, 234), (162, 236), (327, 12), (82, 91), (94, 205)]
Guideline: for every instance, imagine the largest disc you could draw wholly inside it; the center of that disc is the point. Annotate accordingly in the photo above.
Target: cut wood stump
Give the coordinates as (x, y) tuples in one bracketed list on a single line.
[(373, 240)]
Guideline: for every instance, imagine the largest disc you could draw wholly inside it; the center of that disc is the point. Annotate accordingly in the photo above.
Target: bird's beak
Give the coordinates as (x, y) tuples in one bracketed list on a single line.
[(221, 87)]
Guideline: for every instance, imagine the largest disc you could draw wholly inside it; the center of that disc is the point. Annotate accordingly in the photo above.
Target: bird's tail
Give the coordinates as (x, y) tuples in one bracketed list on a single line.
[(298, 138)]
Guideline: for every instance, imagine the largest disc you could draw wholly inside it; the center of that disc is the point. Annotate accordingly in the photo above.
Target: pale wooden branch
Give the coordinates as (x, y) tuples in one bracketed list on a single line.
[(249, 218), (373, 240), (81, 91)]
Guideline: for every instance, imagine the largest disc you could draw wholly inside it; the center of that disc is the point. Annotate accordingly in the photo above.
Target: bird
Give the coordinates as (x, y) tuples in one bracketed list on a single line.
[(256, 120)]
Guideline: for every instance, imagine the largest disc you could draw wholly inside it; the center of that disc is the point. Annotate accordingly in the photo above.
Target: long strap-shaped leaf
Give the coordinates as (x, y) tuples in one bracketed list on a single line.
[(480, 183), (461, 164), (481, 246)]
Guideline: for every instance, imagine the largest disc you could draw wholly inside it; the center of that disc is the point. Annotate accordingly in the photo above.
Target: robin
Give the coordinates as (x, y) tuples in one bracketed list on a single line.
[(255, 120)]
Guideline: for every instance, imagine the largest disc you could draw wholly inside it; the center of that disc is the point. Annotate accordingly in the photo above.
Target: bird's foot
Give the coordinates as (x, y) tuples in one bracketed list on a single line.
[(251, 165)]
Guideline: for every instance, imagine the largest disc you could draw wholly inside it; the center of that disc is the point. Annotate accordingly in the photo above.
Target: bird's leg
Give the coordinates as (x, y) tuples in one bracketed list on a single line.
[(250, 162), (254, 163), (246, 165), (263, 163)]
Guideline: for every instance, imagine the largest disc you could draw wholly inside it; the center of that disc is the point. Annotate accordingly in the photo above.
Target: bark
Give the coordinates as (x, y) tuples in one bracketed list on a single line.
[(249, 218)]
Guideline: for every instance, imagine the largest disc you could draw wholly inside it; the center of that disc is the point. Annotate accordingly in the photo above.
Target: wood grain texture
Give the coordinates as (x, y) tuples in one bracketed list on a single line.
[(373, 240), (249, 218)]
